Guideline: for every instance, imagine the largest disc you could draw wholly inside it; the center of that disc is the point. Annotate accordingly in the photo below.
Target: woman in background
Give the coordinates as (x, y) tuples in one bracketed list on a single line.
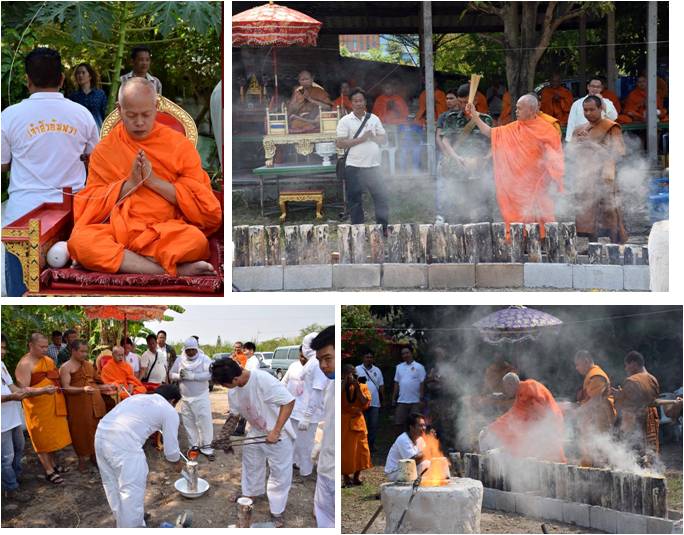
[(89, 93)]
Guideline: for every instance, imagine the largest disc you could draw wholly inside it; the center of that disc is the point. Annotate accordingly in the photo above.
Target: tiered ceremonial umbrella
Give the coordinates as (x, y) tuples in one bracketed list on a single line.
[(275, 26), (125, 313), (515, 324)]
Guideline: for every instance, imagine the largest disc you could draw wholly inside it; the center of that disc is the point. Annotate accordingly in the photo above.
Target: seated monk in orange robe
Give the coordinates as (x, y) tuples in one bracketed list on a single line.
[(533, 427), (46, 413), (556, 100), (634, 401), (390, 107), (147, 206), (610, 95), (596, 413), (343, 101), (440, 106), (506, 115), (636, 104), (481, 103), (527, 157), (119, 372), (356, 398), (304, 106)]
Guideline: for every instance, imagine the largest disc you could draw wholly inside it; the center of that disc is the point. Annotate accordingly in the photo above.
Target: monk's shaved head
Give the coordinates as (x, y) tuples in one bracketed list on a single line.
[(36, 337), (118, 353), (38, 344), (527, 107), (583, 362), (138, 107), (510, 383)]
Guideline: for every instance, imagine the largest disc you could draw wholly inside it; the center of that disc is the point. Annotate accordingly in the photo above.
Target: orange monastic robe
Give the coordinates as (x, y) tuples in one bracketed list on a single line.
[(527, 157), (559, 109), (240, 358), (144, 222), (121, 374), (46, 415), (552, 121), (596, 413), (610, 95), (636, 103), (85, 410), (639, 420), (481, 103), (344, 103), (533, 427), (355, 450), (506, 115), (440, 106), (391, 109)]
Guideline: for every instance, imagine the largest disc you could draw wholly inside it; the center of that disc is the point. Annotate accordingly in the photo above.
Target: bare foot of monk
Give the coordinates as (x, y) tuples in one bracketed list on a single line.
[(195, 268)]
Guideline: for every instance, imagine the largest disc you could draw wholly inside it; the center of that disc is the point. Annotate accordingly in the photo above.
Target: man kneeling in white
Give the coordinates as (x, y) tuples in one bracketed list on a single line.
[(266, 404), (119, 441), (408, 445), (193, 371)]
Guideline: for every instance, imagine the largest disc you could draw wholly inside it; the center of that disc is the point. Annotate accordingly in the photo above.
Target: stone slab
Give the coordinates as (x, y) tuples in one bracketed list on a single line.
[(551, 509), (597, 276), (450, 276), (506, 501), (603, 519), (637, 278), (356, 275), (631, 523), (547, 275), (576, 513), (658, 525), (308, 277), (498, 275), (489, 497), (404, 275), (528, 505), (258, 278)]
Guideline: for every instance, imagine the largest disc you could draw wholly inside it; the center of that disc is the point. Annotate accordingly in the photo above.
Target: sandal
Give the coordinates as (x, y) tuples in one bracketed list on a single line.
[(61, 469), (54, 478)]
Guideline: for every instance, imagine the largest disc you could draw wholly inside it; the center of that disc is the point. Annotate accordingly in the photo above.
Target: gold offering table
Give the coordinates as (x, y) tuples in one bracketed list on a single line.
[(315, 195)]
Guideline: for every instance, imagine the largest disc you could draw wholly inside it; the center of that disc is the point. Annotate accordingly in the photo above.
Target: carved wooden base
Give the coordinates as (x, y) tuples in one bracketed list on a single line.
[(301, 196)]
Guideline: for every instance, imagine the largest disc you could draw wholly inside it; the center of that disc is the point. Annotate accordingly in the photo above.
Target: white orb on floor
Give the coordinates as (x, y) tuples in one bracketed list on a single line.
[(58, 255)]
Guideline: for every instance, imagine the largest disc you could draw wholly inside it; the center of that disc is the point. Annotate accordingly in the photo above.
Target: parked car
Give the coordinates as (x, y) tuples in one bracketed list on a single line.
[(282, 358), (268, 357)]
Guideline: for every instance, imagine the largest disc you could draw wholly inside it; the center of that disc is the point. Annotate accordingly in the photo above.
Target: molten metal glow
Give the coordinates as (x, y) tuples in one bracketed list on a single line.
[(434, 477)]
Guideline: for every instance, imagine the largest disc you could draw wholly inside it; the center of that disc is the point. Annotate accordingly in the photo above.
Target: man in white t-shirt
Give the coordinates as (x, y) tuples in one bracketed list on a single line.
[(45, 139), (408, 393), (166, 351), (408, 445), (253, 362), (375, 384), (266, 404), (153, 366), (576, 117), (362, 165), (131, 356)]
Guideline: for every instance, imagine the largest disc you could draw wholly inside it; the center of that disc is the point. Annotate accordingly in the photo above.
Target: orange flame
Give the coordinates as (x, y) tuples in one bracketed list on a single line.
[(434, 477)]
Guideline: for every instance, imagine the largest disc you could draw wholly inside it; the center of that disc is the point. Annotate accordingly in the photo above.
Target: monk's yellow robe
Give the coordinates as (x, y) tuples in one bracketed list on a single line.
[(121, 374), (144, 222), (596, 413), (552, 121), (355, 450), (46, 415)]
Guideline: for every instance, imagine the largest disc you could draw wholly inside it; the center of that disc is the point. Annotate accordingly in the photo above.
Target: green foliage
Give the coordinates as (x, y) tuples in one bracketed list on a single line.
[(313, 328), (361, 328)]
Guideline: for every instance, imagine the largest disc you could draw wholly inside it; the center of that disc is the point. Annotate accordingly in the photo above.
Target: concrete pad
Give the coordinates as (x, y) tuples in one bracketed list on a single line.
[(308, 277), (637, 278), (506, 501), (498, 275), (631, 523), (658, 525), (597, 276), (576, 513), (547, 275), (489, 498), (603, 519), (356, 275), (527, 504), (258, 278), (450, 276), (551, 509), (404, 275)]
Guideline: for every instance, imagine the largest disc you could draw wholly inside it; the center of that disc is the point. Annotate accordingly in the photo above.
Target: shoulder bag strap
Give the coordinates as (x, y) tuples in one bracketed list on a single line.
[(363, 123)]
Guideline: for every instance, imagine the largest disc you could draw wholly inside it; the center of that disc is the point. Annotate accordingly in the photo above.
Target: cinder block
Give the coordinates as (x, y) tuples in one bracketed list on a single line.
[(449, 276), (597, 276), (603, 519), (258, 278), (489, 497), (576, 513), (356, 275), (637, 278), (505, 501), (551, 509), (630, 523), (528, 505), (308, 277), (498, 275), (659, 525), (404, 275), (547, 275)]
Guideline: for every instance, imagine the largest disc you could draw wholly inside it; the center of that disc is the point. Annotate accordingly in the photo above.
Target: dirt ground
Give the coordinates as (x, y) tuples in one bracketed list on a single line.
[(81, 502)]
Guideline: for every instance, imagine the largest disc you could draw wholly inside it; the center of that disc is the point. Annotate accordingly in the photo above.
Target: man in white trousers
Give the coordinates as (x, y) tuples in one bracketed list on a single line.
[(193, 371), (119, 441), (308, 386), (266, 404), (324, 497)]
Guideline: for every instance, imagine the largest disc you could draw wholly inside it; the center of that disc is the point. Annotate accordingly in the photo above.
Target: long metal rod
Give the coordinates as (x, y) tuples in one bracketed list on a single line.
[(651, 62)]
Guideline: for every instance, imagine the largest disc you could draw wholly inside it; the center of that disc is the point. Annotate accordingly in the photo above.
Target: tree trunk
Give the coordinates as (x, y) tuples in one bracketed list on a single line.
[(118, 60)]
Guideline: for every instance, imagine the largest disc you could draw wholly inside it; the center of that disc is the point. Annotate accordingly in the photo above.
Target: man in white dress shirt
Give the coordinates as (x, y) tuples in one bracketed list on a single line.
[(375, 384), (408, 445), (409, 381), (577, 118)]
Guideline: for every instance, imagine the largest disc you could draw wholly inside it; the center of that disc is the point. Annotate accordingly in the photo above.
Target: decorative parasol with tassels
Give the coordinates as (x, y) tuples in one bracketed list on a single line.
[(275, 26), (125, 313), (515, 324)]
